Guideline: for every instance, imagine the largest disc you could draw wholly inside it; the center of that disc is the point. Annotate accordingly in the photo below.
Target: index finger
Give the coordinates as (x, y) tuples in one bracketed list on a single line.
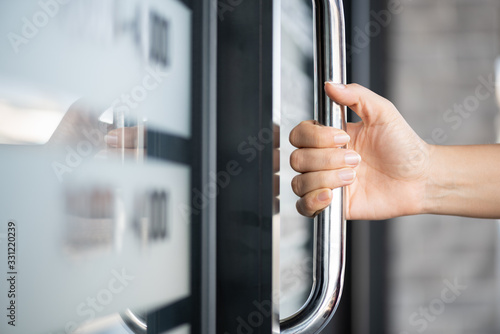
[(311, 134), (125, 137)]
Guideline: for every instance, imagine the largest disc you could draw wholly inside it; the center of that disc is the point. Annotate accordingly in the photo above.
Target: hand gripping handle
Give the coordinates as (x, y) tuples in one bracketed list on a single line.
[(329, 226)]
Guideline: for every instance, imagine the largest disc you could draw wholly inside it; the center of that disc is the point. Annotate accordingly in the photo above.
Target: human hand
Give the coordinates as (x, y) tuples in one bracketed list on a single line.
[(384, 168), (126, 137), (129, 141)]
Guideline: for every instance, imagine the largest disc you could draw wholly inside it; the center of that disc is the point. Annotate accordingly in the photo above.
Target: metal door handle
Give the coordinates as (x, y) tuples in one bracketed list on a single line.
[(135, 323), (329, 226)]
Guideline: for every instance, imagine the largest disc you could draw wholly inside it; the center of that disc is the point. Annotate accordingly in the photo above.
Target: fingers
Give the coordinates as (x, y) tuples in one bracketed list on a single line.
[(369, 106), (304, 184), (314, 202), (324, 169), (315, 189), (124, 137), (324, 165), (312, 134), (312, 159)]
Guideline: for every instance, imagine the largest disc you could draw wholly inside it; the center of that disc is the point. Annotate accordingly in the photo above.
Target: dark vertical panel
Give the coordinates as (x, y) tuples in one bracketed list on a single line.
[(194, 310), (378, 53), (360, 230), (244, 157), (378, 281), (378, 230), (199, 79), (375, 249)]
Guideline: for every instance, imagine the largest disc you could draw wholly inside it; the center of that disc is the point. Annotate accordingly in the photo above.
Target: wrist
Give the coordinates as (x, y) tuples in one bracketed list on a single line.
[(443, 185), (425, 201), (430, 182)]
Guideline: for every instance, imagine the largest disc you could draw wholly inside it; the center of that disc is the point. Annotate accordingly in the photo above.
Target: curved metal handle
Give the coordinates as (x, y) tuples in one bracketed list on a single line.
[(329, 226), (135, 323)]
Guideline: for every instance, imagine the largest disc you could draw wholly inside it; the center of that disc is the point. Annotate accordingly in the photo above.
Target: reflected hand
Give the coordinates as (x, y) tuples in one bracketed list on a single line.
[(130, 141), (128, 137)]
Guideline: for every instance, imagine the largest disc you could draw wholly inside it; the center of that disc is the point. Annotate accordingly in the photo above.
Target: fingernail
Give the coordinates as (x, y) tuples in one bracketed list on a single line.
[(341, 139), (111, 140), (352, 159), (347, 175), (324, 195), (335, 85)]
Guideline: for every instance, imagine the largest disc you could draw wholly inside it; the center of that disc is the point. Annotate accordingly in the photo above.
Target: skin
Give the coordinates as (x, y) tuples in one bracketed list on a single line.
[(123, 137), (389, 171)]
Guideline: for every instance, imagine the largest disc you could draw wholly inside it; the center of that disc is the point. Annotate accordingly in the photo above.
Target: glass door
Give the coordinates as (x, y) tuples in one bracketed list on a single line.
[(103, 117)]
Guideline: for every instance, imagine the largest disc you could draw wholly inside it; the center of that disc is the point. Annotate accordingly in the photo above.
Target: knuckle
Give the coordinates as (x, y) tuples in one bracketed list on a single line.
[(298, 206), (321, 138), (295, 134), (309, 204), (389, 104), (297, 185), (330, 160), (295, 160), (324, 138), (292, 137)]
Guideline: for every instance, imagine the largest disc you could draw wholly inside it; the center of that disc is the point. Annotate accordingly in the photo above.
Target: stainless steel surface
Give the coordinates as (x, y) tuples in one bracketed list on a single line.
[(134, 322), (209, 167), (275, 320), (329, 226)]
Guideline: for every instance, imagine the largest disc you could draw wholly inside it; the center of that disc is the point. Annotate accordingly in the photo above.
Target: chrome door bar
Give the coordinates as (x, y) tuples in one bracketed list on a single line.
[(329, 226)]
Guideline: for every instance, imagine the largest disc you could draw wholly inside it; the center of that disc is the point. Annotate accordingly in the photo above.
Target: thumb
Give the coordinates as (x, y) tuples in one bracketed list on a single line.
[(371, 107)]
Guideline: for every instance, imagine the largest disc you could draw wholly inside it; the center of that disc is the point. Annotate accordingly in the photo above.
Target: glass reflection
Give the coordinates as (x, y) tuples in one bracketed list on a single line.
[(62, 103)]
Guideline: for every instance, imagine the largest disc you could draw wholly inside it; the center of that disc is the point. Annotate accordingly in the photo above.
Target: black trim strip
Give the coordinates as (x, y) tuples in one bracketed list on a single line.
[(198, 309), (188, 3), (245, 204), (170, 316), (168, 147)]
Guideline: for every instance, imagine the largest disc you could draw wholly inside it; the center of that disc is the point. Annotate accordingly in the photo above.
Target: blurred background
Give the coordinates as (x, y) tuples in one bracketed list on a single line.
[(435, 60)]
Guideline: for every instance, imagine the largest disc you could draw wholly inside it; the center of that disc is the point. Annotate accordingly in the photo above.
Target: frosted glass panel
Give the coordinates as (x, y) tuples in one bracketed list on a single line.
[(112, 236), (132, 56), (90, 222)]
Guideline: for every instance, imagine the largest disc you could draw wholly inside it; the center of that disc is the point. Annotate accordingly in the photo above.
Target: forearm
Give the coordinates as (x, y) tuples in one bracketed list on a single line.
[(464, 181)]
